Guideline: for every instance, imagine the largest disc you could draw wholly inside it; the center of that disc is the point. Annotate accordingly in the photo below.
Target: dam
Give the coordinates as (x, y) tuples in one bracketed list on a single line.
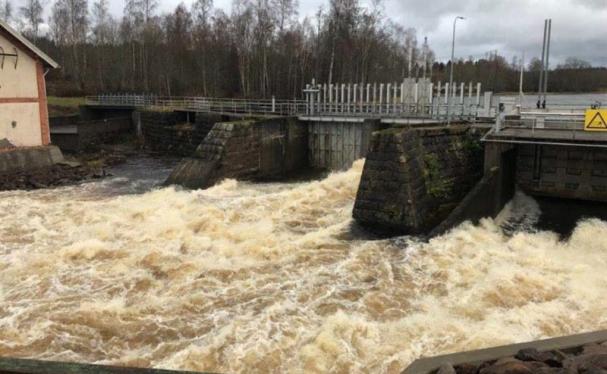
[(258, 273), (270, 277)]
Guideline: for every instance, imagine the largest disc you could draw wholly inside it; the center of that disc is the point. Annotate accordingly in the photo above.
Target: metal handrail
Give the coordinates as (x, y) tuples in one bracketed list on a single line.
[(433, 110)]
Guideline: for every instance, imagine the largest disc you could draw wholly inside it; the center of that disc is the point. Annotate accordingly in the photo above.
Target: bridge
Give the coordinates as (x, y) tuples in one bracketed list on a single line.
[(407, 101)]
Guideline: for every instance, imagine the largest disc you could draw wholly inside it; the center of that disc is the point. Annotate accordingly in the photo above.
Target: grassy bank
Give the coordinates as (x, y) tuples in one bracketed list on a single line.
[(63, 106)]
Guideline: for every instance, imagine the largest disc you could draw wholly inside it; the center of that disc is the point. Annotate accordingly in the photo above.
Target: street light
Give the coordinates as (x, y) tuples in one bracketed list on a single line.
[(451, 73)]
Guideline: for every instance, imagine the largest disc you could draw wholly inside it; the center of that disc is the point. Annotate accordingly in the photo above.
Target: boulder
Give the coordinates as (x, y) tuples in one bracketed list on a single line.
[(511, 367), (466, 368), (446, 369), (551, 358), (585, 362)]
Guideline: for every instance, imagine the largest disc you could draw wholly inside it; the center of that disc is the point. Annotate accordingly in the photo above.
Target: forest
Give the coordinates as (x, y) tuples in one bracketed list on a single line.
[(261, 48)]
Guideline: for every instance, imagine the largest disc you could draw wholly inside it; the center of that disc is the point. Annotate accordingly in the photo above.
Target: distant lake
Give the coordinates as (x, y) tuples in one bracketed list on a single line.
[(564, 100)]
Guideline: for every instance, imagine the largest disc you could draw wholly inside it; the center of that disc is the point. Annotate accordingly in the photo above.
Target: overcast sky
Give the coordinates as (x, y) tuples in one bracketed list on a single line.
[(579, 27)]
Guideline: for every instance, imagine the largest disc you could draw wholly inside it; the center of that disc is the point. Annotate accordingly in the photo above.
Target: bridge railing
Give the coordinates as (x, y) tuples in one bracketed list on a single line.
[(202, 104), (568, 120), (436, 109)]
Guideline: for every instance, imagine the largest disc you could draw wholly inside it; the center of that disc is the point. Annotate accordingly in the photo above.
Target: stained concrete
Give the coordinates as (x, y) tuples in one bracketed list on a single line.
[(26, 158), (334, 144), (431, 364), (414, 177), (246, 149)]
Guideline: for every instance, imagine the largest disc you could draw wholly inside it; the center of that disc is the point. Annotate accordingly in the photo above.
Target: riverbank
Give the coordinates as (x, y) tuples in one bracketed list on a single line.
[(76, 168)]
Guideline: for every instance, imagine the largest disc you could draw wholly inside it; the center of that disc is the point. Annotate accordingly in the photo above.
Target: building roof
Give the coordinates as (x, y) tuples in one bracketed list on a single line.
[(27, 44)]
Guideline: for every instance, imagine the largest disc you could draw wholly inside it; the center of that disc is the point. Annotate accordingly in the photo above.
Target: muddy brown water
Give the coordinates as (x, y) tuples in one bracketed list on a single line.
[(269, 278)]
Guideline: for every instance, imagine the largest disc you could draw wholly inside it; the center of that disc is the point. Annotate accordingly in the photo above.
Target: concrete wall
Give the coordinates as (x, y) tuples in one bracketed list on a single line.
[(413, 178), (20, 117), (171, 133), (563, 171), (335, 145), (471, 361), (27, 158), (73, 135), (89, 113), (247, 149)]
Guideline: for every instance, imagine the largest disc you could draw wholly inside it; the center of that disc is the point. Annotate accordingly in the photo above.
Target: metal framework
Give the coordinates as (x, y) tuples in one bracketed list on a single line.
[(409, 99), (564, 127)]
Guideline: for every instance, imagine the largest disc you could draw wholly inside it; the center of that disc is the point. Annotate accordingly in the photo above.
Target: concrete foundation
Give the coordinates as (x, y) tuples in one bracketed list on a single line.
[(20, 159), (247, 149), (429, 365), (73, 134), (414, 177), (562, 171)]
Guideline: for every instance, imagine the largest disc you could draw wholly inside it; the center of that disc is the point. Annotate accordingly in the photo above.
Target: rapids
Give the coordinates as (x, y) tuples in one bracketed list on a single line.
[(275, 277)]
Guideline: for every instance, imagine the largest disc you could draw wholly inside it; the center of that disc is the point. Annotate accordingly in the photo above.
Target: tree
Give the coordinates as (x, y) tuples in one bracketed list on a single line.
[(260, 49), (32, 12), (69, 25), (202, 33), (6, 11), (103, 23), (574, 63)]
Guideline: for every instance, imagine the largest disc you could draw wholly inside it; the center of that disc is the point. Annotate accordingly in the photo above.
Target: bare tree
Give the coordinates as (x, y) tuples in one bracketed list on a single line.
[(32, 12), (6, 11), (202, 14)]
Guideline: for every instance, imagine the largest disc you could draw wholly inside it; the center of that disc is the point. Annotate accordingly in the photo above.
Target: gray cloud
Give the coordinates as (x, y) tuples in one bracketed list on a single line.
[(510, 26)]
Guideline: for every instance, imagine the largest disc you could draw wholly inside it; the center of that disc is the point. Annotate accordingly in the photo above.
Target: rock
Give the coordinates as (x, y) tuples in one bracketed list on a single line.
[(594, 348), (551, 358), (5, 144), (551, 370), (509, 367), (446, 369), (595, 371), (585, 362), (72, 164), (466, 368)]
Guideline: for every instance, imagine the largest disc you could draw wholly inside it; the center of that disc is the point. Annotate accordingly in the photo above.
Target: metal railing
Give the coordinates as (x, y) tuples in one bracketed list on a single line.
[(436, 110), (392, 110), (566, 120), (202, 104)]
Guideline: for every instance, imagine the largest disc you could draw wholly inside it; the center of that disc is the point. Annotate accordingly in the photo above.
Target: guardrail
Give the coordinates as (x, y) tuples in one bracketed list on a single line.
[(392, 110), (272, 107), (570, 120), (202, 104)]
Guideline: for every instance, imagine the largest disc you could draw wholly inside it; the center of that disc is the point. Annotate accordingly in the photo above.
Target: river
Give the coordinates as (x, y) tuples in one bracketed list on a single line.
[(275, 277)]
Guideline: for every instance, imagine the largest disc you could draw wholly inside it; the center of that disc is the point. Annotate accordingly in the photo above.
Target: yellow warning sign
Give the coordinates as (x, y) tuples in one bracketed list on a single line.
[(596, 120)]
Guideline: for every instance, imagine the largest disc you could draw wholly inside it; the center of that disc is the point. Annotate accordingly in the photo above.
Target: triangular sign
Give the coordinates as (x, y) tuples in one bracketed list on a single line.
[(597, 122)]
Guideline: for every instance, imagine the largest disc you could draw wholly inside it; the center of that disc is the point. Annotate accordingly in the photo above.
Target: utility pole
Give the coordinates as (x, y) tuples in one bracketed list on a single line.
[(541, 87), (451, 72), (520, 82), (547, 62)]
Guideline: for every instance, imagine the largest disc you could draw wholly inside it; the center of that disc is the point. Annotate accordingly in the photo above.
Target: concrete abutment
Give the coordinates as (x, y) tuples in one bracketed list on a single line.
[(414, 177), (245, 149)]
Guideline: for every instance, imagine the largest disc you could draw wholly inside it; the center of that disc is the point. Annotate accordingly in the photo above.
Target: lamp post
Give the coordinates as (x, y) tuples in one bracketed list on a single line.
[(451, 72)]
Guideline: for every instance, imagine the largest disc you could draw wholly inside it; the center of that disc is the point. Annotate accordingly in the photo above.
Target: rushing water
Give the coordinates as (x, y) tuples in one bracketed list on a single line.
[(275, 278)]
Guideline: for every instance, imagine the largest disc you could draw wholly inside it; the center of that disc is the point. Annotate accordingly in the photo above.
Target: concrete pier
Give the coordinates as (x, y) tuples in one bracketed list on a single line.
[(246, 149), (414, 177)]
